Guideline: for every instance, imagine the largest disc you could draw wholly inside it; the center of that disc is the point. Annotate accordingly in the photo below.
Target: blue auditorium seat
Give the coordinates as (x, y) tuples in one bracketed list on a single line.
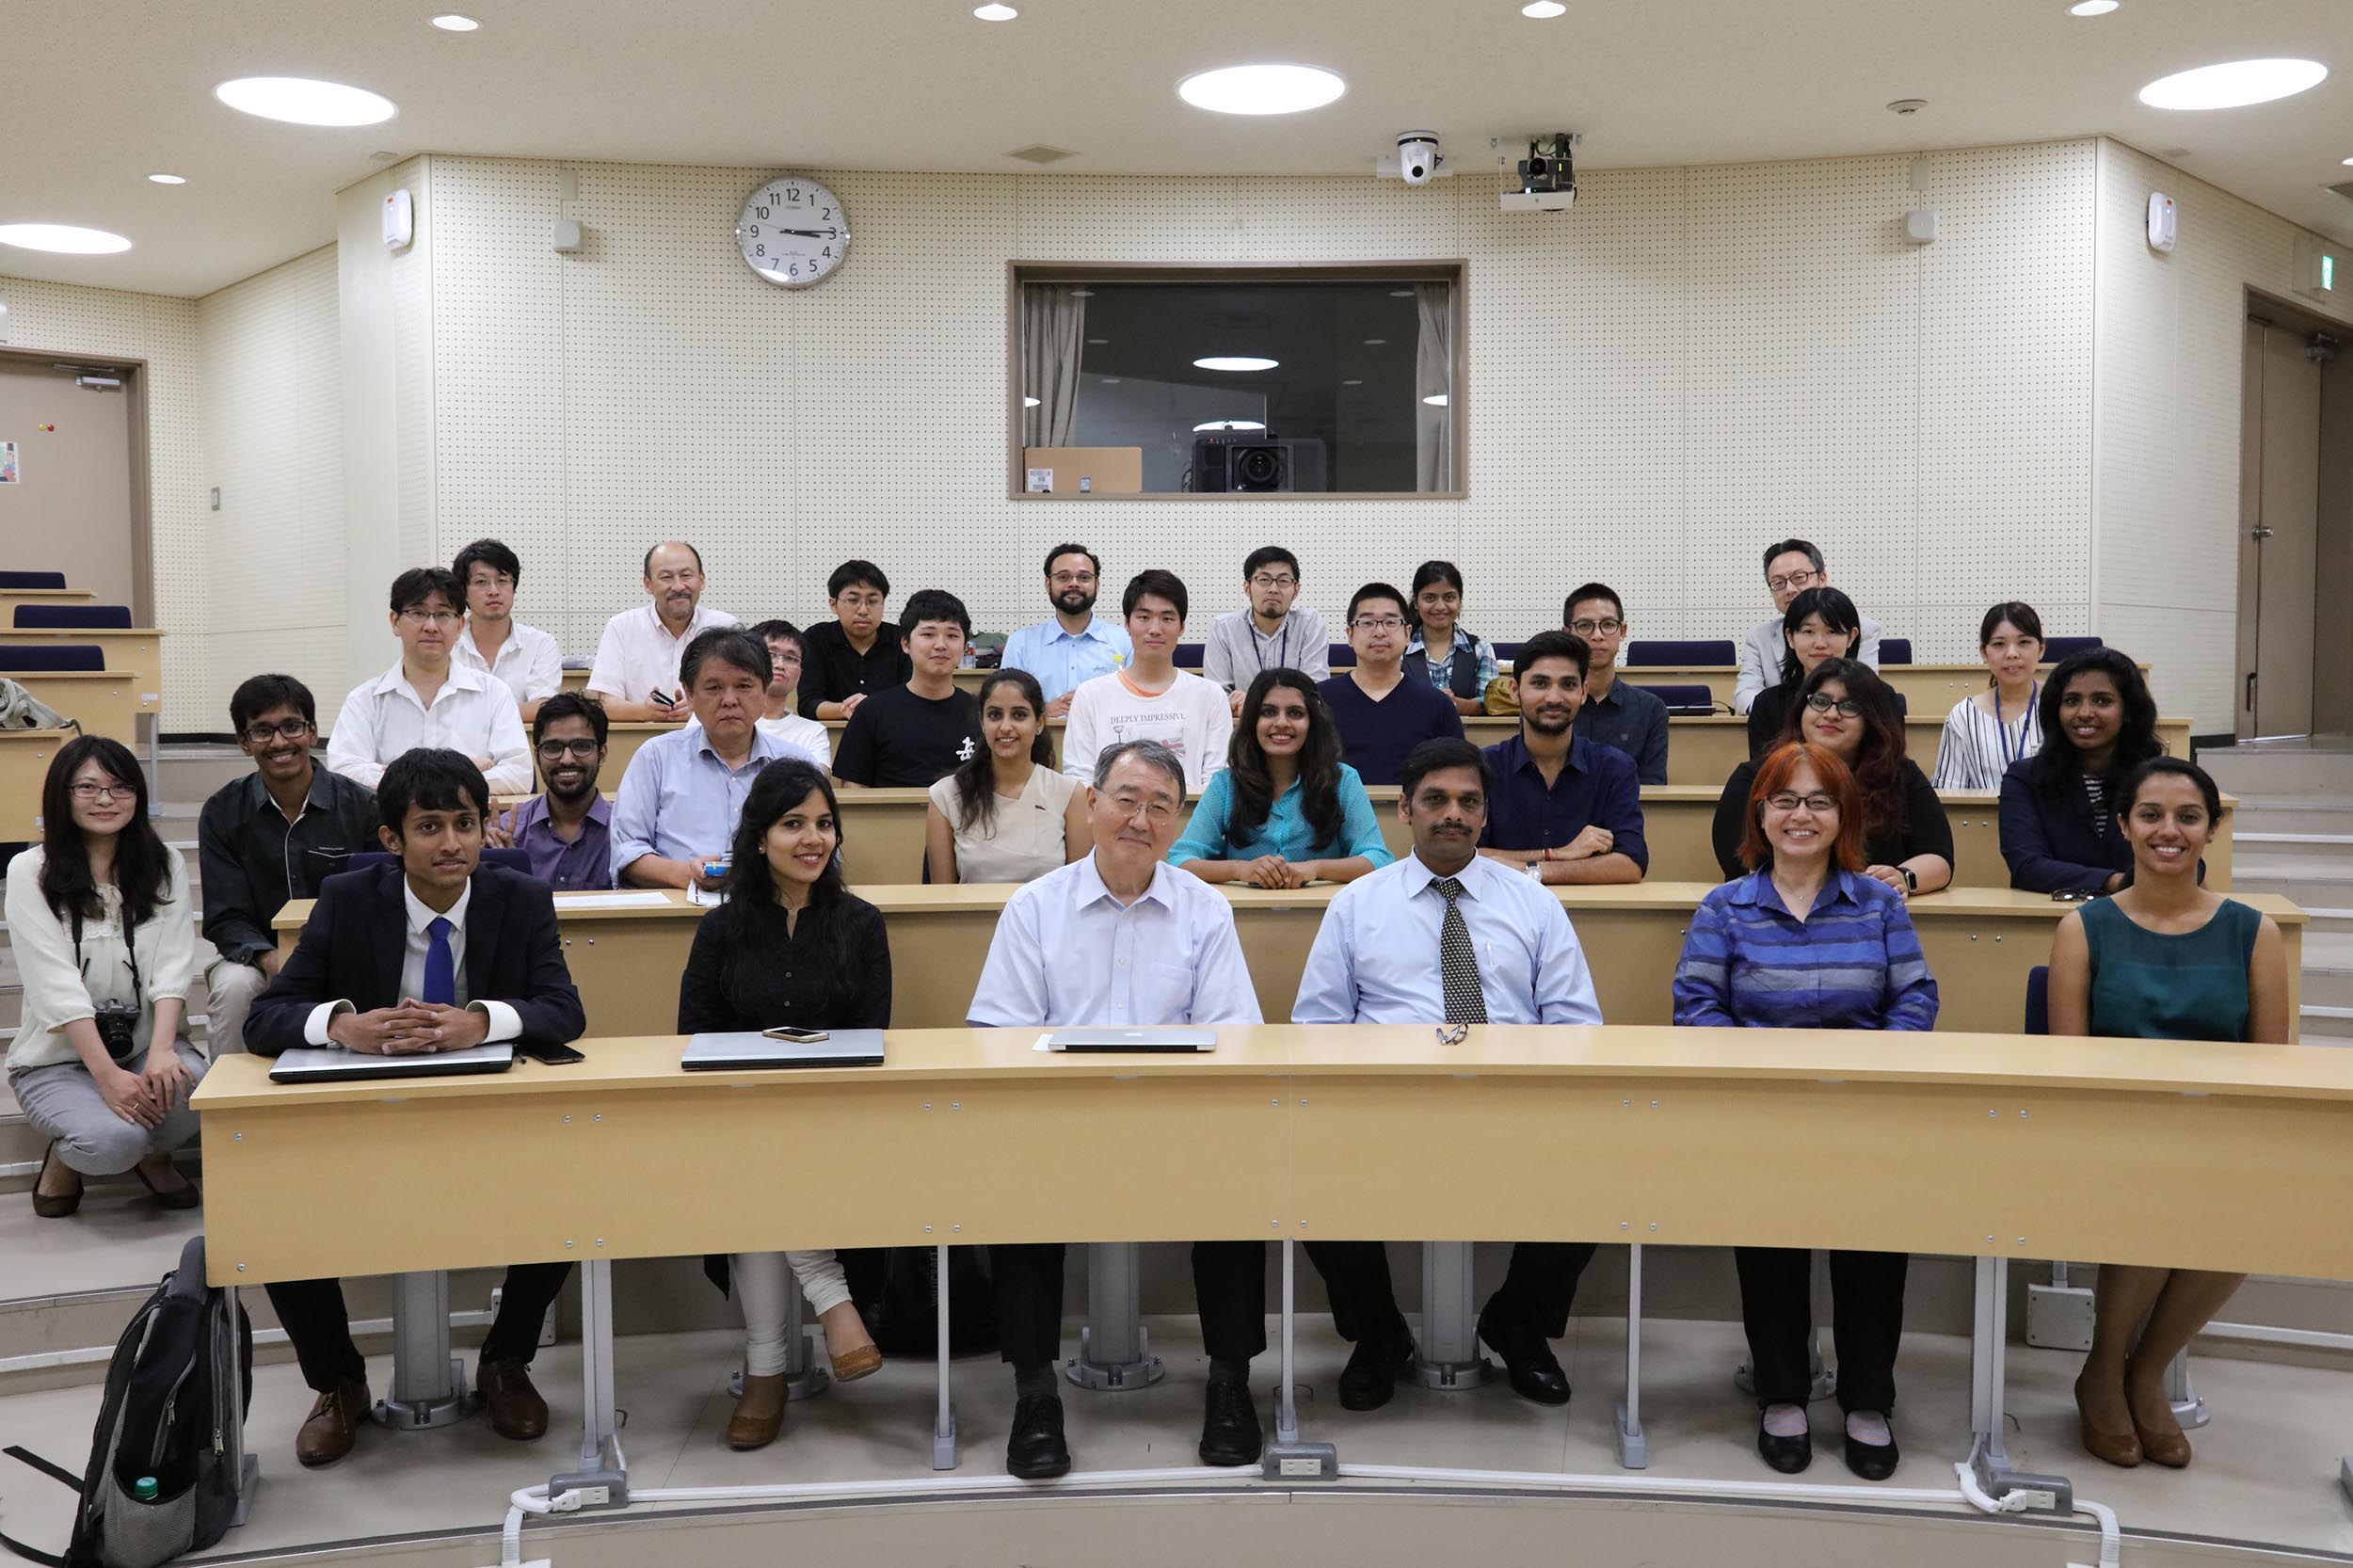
[(43, 617), (1895, 650), (1188, 656), (2056, 648), (1698, 650), (49, 661), (29, 580)]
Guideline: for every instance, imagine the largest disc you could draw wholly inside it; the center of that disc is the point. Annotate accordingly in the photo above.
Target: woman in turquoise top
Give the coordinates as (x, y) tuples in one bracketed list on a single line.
[(1286, 810), (2160, 959)]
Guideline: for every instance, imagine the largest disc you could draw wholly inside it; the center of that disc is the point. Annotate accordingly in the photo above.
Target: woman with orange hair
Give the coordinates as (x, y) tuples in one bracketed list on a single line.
[(1807, 940)]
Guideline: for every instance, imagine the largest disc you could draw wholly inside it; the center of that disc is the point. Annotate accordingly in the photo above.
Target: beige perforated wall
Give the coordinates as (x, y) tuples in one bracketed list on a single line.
[(1690, 362)]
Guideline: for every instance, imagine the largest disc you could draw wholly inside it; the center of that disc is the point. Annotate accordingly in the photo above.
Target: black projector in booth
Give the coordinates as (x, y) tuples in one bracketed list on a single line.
[(1231, 463)]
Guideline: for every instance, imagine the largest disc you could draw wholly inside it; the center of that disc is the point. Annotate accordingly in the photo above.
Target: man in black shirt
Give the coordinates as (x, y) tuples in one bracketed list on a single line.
[(858, 653), (908, 736), (271, 836)]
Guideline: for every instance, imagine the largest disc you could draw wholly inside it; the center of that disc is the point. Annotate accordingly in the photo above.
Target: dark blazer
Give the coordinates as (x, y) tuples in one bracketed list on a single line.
[(352, 946), (2050, 844)]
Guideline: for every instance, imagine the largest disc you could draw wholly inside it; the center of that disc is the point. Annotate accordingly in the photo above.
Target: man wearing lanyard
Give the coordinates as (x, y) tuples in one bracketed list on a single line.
[(1270, 632)]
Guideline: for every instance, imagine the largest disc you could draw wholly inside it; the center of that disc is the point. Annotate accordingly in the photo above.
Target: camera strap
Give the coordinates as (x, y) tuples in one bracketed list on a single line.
[(130, 954)]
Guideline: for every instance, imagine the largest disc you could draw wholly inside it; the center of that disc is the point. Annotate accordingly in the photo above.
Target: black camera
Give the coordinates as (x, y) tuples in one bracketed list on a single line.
[(1550, 168), (118, 1026)]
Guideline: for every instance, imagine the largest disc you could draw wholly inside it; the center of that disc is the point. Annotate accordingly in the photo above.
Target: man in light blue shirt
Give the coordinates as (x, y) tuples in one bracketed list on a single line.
[(1380, 958), (1076, 645), (1122, 938), (682, 792)]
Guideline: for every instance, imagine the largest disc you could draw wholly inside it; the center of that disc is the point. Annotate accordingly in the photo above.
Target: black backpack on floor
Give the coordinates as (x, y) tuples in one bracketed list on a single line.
[(168, 1472)]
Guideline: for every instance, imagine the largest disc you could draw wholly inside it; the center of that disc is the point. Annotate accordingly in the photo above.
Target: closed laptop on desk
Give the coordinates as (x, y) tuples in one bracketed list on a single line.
[(331, 1067), (732, 1051), (1084, 1039)]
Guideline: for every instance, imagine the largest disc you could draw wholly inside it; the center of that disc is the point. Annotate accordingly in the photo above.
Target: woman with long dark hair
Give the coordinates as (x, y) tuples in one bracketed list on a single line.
[(789, 944), (1006, 814), (2059, 807), (98, 916), (1459, 662), (1988, 731), (1846, 709), (1285, 810), (1820, 623)]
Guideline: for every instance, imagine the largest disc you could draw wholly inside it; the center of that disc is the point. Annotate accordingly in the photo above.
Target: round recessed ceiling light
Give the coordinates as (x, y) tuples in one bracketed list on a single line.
[(1261, 88), (1230, 425), (2233, 85), (1351, 383), (993, 12), (1028, 403), (1098, 343), (1541, 10), (2348, 163), (453, 22), (167, 179), (299, 100), (63, 238), (1235, 361), (2092, 8), (1375, 343), (1437, 400)]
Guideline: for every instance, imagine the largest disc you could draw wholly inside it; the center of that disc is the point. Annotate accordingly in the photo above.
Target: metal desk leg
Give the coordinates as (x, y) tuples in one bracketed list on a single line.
[(1988, 1346), (602, 1478), (248, 1465), (1633, 1447), (1447, 1352), (2189, 1408), (803, 1378), (1286, 1458), (1114, 1349), (944, 1423), (428, 1383)]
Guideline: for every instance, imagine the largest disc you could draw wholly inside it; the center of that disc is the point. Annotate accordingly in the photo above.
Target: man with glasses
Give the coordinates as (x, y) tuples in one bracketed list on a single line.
[(1565, 809), (269, 837), (1270, 631), (1614, 714), (428, 700), (636, 671), (1791, 566), (848, 659), (1076, 644), (1122, 938), (567, 829), (1382, 716), (782, 718), (494, 642)]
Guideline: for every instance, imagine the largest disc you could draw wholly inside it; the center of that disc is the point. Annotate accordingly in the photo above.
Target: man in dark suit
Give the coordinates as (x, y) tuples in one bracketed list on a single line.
[(436, 952)]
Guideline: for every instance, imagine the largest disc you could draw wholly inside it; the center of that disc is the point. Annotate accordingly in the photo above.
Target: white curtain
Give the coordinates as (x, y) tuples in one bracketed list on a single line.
[(1053, 335), (1434, 377)]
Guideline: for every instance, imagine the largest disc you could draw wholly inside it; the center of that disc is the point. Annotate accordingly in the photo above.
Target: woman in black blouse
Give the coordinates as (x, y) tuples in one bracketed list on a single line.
[(1843, 705), (791, 944)]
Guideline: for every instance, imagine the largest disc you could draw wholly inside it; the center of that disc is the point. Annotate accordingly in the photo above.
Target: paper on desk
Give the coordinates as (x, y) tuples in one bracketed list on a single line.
[(649, 900), (696, 895)]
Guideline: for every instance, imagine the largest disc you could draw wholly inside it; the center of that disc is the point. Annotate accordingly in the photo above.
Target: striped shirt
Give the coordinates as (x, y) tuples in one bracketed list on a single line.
[(1977, 748), (1854, 963)]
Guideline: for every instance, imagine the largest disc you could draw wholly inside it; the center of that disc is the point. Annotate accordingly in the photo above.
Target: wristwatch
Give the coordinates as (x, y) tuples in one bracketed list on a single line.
[(1911, 882)]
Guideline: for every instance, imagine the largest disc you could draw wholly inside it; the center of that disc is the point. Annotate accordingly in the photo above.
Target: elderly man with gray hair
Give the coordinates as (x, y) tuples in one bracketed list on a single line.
[(1121, 937)]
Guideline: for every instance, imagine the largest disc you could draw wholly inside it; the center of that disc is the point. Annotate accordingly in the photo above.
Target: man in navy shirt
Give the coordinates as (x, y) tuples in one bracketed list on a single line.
[(1381, 715), (1570, 807)]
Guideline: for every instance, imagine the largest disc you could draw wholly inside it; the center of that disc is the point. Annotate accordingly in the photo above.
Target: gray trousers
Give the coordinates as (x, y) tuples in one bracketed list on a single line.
[(229, 988), (61, 1101)]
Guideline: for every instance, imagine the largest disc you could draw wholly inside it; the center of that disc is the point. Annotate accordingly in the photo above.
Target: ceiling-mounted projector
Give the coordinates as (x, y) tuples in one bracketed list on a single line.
[(1547, 176)]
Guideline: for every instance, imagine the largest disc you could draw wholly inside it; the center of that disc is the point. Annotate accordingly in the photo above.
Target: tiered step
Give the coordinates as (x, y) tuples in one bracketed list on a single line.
[(2294, 837)]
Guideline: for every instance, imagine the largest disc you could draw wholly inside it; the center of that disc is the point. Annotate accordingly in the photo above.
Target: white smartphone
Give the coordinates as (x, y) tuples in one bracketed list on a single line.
[(796, 1037)]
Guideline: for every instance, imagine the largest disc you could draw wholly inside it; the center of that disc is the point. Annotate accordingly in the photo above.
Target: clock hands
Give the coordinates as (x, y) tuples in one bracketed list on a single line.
[(810, 234)]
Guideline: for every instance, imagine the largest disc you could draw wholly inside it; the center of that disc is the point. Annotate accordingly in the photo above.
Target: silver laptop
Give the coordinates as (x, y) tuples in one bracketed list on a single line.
[(1084, 1039), (733, 1051), (306, 1065)]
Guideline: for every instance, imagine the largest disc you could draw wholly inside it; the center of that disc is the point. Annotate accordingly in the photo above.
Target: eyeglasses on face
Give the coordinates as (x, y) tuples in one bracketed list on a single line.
[(553, 751), (431, 618), (1605, 628), (1379, 623), (1785, 800), (1822, 702), (291, 729), (1791, 580), (1156, 808), (88, 789), (1269, 579)]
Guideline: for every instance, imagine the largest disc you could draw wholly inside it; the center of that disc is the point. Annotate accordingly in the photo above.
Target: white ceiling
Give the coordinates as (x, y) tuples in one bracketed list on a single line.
[(100, 93)]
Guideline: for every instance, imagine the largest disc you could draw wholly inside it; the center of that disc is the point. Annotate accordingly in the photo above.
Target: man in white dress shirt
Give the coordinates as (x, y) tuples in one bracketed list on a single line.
[(1447, 936), (1121, 937), (427, 699), (494, 643), (635, 672), (1791, 566)]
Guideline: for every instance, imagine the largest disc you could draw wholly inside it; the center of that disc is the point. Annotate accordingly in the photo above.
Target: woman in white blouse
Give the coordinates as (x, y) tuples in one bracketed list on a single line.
[(1007, 815), (98, 916), (1984, 734)]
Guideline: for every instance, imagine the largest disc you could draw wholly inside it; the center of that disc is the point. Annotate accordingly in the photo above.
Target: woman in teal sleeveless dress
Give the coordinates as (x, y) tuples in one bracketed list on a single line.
[(2161, 959)]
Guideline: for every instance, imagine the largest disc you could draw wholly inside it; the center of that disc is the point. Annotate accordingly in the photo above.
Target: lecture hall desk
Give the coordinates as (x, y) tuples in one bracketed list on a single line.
[(25, 756), (626, 957), (12, 598), (135, 654), (103, 702)]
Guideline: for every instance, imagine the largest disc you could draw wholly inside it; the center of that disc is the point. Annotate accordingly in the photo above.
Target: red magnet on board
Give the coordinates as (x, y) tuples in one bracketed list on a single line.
[(50, 428)]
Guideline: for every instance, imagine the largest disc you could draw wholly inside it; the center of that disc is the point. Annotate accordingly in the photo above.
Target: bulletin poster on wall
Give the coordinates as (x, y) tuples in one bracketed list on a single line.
[(9, 473)]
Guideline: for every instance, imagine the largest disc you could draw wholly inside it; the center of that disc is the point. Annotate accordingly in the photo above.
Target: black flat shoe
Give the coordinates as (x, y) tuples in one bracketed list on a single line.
[(1373, 1368), (1873, 1461), (1229, 1426), (1533, 1370), (1789, 1455), (54, 1206), (1036, 1450), (185, 1195)]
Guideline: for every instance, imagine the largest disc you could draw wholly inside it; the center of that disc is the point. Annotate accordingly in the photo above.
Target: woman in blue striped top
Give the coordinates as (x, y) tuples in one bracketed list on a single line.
[(1285, 810), (1806, 940)]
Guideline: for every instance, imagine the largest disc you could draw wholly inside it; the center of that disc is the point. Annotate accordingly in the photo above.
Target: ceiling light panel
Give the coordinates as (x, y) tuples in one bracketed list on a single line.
[(301, 100), (1235, 361), (64, 239), (2233, 85), (1257, 89)]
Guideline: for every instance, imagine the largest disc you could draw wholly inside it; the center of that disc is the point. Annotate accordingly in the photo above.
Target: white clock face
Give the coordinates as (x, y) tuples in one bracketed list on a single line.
[(792, 232)]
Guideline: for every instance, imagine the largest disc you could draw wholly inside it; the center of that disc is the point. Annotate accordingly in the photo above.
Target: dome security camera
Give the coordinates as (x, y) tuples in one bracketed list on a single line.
[(1418, 156)]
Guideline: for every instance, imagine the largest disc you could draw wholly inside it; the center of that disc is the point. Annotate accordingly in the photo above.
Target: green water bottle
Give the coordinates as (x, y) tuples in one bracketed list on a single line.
[(145, 1489)]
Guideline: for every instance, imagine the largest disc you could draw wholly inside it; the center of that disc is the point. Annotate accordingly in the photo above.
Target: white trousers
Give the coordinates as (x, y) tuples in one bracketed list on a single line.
[(762, 1279)]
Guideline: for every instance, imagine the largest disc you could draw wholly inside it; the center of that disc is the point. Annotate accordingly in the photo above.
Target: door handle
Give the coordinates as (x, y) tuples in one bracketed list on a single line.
[(2250, 691), (2261, 531)]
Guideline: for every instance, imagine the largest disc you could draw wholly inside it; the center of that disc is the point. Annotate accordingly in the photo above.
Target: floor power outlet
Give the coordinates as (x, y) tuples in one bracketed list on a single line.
[(2059, 1316)]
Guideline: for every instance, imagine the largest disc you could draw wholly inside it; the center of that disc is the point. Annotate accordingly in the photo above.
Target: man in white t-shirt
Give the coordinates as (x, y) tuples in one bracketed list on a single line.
[(635, 674), (1151, 700), (803, 735), (494, 642)]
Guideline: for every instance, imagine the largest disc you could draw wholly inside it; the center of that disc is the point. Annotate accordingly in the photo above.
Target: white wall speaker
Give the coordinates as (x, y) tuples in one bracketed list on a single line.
[(2162, 226)]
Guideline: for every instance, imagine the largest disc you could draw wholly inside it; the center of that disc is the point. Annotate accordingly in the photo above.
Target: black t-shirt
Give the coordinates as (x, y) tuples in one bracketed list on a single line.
[(896, 739), (833, 671)]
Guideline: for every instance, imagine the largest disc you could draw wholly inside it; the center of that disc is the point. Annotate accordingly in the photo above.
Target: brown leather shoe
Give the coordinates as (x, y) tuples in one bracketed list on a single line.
[(334, 1423), (858, 1362), (517, 1411), (759, 1412), (2117, 1447)]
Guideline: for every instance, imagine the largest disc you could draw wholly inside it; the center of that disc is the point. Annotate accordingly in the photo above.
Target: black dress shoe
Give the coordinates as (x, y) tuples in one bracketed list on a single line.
[(1036, 1450), (1873, 1461), (1789, 1455), (1372, 1373), (1229, 1430), (1534, 1371)]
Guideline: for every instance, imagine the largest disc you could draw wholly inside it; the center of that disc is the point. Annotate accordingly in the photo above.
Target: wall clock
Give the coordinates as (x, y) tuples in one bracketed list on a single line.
[(792, 232)]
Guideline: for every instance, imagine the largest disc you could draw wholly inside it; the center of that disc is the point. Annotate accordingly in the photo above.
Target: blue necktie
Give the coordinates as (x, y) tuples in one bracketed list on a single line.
[(441, 974)]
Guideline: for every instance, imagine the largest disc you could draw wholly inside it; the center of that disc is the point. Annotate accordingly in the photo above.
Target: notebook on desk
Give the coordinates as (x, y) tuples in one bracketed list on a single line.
[(1176, 1039), (306, 1066), (734, 1051)]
